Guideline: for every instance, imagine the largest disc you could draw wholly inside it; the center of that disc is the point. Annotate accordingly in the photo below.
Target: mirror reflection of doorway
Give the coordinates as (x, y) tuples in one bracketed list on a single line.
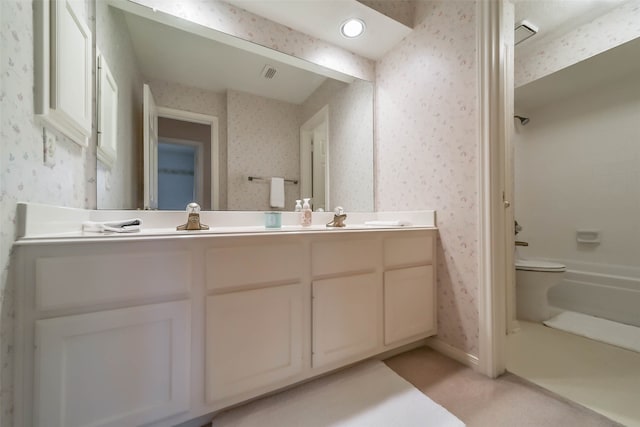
[(314, 152), (187, 129), (180, 177)]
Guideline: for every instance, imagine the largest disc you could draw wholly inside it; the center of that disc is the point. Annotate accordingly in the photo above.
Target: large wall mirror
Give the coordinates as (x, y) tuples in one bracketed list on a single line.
[(199, 119)]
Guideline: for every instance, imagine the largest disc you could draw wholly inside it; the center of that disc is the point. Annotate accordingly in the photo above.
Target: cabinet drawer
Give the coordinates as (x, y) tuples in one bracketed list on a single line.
[(86, 280), (125, 367), (409, 308), (334, 257), (254, 264), (416, 248)]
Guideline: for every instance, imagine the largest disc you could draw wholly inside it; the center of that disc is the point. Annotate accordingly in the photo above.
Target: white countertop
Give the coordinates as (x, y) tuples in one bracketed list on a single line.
[(38, 223)]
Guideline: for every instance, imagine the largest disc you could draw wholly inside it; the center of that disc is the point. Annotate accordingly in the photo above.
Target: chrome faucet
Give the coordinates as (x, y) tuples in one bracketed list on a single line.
[(193, 221), (339, 217)]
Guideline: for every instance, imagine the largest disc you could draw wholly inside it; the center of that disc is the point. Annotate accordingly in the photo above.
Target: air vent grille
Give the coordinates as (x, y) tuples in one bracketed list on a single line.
[(268, 72), (523, 31)]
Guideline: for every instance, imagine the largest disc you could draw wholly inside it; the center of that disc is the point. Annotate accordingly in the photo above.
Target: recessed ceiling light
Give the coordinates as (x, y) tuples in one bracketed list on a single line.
[(352, 28)]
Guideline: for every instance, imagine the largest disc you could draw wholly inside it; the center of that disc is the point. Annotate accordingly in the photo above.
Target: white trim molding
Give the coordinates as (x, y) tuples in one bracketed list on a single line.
[(454, 353), (491, 187)]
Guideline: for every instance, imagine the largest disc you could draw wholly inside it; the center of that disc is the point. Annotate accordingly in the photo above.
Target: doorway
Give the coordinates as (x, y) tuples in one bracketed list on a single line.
[(186, 128), (314, 165), (180, 173)]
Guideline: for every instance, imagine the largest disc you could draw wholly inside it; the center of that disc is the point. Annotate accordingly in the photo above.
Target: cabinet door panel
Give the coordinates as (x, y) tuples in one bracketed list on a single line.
[(113, 368), (409, 309), (254, 338), (345, 317)]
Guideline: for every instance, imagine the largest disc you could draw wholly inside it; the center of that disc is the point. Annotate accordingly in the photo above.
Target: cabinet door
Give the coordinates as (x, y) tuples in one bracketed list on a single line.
[(409, 309), (113, 368), (346, 318), (64, 62), (254, 338)]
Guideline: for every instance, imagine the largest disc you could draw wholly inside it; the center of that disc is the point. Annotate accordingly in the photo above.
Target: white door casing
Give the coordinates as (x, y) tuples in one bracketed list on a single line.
[(150, 149)]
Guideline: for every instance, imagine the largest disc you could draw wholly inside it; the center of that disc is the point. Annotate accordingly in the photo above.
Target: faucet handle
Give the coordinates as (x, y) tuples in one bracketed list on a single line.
[(193, 221), (339, 210), (193, 207)]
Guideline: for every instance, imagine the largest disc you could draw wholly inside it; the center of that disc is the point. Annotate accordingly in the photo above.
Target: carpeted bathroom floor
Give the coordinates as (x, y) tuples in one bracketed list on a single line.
[(479, 401)]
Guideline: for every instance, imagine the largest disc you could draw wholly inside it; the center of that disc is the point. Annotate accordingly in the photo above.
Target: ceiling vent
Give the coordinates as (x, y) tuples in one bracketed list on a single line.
[(524, 30), (268, 72)]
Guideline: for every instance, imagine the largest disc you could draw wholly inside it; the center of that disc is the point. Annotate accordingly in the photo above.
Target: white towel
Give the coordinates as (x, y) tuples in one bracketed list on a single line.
[(124, 226), (277, 192)]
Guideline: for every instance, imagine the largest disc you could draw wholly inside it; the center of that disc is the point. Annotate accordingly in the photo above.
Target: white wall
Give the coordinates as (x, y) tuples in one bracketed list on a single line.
[(546, 56), (577, 166)]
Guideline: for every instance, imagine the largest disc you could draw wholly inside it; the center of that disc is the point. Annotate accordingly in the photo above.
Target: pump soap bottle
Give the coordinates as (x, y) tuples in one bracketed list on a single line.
[(305, 218)]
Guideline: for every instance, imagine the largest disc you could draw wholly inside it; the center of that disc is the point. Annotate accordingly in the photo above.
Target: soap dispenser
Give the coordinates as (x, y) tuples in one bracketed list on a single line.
[(298, 207), (305, 217)]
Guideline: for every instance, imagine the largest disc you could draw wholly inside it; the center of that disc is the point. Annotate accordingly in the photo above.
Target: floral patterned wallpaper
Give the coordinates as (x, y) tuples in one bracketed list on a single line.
[(350, 141), (620, 25), (64, 174), (426, 150), (240, 23), (262, 140)]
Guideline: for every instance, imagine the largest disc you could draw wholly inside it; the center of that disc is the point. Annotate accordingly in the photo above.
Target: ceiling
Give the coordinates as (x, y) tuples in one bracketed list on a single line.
[(322, 19), (169, 54), (557, 17), (609, 66)]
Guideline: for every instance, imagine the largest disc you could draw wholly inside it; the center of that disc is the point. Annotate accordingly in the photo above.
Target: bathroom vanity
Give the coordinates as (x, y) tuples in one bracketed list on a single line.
[(158, 329)]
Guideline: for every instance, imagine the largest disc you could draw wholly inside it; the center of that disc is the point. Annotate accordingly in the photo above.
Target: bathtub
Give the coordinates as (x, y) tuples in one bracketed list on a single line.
[(608, 291)]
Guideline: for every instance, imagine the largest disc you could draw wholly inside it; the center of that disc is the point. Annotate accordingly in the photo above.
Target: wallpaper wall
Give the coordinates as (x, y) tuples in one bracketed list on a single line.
[(263, 140), (118, 186), (240, 23), (600, 124), (612, 29), (426, 150), (350, 141), (180, 97), (67, 177)]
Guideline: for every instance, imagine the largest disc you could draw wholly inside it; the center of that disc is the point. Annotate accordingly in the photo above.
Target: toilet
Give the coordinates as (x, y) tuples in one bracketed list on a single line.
[(533, 280)]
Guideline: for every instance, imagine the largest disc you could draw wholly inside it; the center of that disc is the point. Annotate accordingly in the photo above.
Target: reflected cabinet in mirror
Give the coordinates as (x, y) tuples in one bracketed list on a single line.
[(197, 118)]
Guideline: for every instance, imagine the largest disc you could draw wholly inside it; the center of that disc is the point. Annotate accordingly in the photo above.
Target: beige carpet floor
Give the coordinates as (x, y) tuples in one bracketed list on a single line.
[(479, 401)]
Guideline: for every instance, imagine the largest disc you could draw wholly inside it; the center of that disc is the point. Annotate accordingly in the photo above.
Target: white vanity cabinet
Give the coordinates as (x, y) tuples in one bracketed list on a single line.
[(409, 287), (346, 292), (157, 331), (256, 314), (103, 334)]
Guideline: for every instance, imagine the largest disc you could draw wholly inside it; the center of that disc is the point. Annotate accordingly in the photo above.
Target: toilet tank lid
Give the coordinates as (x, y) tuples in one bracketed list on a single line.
[(537, 265)]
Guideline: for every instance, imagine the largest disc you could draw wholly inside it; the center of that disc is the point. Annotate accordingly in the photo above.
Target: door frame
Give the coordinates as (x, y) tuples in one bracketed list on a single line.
[(494, 208), (306, 130), (212, 121)]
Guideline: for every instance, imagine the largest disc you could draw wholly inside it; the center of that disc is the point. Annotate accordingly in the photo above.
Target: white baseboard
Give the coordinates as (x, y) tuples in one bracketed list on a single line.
[(455, 353)]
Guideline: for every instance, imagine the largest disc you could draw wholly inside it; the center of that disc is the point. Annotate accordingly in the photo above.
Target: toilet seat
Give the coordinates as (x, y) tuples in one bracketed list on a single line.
[(536, 265)]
